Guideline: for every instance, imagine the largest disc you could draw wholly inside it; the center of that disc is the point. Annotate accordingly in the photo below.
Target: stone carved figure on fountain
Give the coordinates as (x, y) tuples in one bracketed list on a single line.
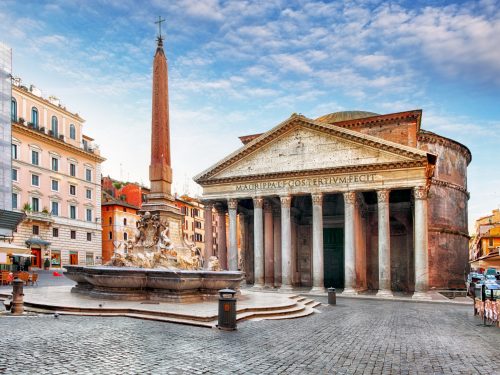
[(153, 248)]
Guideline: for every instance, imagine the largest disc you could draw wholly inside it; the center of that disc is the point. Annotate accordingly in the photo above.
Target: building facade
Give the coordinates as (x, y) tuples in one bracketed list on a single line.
[(56, 174), (353, 200), (118, 225), (484, 245), (193, 224)]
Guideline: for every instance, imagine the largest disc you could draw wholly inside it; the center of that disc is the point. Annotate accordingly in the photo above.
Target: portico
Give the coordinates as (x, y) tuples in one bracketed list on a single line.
[(325, 206)]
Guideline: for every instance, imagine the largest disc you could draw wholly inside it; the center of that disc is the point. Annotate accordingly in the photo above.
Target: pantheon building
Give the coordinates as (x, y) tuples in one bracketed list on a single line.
[(353, 200)]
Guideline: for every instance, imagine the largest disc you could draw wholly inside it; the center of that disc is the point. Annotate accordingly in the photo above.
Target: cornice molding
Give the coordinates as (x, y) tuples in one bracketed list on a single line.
[(51, 140), (316, 172), (433, 138)]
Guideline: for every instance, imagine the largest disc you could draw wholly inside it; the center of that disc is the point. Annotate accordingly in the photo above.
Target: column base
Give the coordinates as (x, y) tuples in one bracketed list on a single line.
[(384, 293), (286, 289), (317, 290), (257, 286), (421, 296), (349, 292), (268, 286)]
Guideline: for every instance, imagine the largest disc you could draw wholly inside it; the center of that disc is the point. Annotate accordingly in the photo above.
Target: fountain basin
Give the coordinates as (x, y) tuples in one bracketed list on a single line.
[(136, 284)]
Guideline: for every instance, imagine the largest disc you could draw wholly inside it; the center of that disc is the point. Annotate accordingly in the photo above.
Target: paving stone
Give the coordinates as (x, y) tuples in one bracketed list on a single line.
[(354, 337)]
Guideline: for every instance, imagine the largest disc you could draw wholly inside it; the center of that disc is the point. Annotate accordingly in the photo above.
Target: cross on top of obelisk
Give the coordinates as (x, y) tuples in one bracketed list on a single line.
[(160, 20)]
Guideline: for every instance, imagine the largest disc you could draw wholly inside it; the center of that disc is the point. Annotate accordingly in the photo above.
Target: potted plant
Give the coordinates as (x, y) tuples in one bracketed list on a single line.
[(27, 208), (45, 211), (46, 264), (21, 120)]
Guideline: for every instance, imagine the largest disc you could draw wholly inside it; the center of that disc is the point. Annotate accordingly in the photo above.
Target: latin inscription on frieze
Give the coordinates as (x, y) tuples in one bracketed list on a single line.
[(329, 181)]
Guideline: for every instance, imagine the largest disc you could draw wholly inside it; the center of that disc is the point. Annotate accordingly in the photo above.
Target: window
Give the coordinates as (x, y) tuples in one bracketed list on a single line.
[(13, 110), (110, 235), (197, 224), (36, 230), (72, 131), (35, 204), (35, 157), (88, 174), (35, 180), (14, 200), (88, 214), (14, 174), (72, 234), (72, 170), (55, 164), (55, 208), (55, 185), (14, 151), (490, 242), (88, 193), (72, 189), (125, 236), (55, 232), (110, 220), (89, 236), (54, 126), (72, 212), (125, 221), (34, 117)]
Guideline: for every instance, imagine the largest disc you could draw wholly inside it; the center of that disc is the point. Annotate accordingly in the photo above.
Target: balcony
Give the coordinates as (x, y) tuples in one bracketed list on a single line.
[(39, 216)]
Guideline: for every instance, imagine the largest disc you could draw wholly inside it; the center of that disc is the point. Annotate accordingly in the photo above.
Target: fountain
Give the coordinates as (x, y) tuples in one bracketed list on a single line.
[(158, 265)]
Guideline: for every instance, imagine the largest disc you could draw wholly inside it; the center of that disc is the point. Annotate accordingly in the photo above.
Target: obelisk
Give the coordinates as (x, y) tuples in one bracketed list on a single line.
[(160, 200)]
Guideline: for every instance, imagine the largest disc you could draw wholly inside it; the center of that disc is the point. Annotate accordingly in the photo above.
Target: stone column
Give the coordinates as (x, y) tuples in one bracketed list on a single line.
[(268, 245), (349, 240), (317, 244), (277, 247), (221, 235), (286, 244), (209, 231), (258, 248), (233, 235), (243, 242), (384, 245), (421, 243)]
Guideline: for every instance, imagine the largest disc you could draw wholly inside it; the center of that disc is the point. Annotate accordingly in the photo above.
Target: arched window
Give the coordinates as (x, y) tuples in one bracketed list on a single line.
[(110, 220), (54, 126), (125, 236), (125, 221), (72, 131), (34, 117), (13, 109)]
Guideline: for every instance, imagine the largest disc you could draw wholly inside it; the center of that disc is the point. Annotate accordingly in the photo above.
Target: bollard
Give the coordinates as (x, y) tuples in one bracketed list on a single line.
[(332, 296), (227, 310), (17, 305)]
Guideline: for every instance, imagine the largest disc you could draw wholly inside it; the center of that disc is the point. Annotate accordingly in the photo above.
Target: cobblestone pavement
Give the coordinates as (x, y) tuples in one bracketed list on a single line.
[(354, 337)]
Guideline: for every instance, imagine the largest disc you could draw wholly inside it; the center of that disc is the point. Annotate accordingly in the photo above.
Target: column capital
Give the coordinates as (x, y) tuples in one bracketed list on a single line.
[(220, 207), (420, 192), (350, 197), (207, 205), (232, 203), (286, 201), (258, 202), (317, 198), (383, 195)]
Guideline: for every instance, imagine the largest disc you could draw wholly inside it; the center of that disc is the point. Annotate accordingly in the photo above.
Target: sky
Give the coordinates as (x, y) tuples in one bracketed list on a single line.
[(242, 67)]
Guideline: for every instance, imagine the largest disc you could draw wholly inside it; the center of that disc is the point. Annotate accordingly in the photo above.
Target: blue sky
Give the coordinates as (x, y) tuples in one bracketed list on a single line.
[(241, 67)]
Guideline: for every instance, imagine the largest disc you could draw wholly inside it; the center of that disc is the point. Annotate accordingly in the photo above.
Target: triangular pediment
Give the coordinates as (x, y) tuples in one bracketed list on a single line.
[(300, 144)]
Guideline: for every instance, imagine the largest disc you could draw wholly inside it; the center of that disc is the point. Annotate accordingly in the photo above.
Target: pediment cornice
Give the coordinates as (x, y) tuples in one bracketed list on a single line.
[(412, 155)]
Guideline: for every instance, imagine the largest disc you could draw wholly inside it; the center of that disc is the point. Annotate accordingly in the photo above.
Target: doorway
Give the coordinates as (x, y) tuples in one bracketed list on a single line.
[(36, 259), (73, 258), (333, 245)]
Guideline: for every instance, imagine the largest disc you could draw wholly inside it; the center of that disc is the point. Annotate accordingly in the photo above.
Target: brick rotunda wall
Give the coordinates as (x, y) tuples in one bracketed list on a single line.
[(448, 197)]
